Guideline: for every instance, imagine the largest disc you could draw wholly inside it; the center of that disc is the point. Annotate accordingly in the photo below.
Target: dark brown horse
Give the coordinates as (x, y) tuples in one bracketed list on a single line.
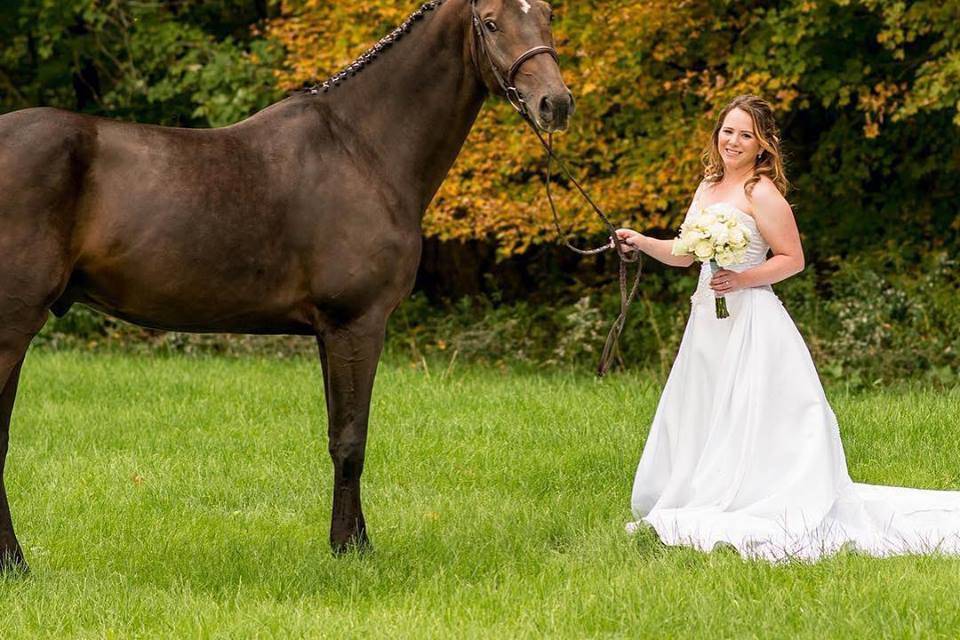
[(303, 219)]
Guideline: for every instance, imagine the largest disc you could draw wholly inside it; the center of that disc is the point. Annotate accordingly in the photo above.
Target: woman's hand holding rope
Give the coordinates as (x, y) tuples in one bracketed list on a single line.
[(630, 239)]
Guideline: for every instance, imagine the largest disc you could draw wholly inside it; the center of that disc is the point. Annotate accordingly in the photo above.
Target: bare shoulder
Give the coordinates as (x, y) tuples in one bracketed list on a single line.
[(704, 187), (767, 199)]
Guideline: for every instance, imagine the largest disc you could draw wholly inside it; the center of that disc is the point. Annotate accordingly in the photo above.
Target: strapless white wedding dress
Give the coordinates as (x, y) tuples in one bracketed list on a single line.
[(744, 449)]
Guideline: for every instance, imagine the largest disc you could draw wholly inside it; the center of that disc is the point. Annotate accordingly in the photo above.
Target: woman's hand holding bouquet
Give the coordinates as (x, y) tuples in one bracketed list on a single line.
[(717, 236)]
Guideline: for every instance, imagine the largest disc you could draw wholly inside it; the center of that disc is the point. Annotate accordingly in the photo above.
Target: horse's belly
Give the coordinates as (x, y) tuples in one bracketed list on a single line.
[(195, 298)]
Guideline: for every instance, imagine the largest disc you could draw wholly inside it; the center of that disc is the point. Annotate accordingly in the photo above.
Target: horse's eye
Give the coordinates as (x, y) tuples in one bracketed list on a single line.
[(491, 26), (551, 16)]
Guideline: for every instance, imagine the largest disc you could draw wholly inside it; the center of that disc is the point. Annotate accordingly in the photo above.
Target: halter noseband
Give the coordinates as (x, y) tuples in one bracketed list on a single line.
[(509, 88)]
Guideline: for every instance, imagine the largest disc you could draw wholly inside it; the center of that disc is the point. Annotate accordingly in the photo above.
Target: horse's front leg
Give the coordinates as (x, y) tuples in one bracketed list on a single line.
[(349, 356)]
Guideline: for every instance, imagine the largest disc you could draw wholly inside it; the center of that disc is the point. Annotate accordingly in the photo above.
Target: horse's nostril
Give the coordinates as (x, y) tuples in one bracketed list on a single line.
[(546, 108)]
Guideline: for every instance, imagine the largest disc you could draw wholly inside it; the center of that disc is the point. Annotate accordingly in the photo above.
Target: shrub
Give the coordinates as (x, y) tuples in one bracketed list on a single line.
[(869, 319)]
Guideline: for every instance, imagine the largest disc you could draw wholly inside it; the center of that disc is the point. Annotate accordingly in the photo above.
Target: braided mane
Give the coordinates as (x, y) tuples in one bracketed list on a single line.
[(371, 54)]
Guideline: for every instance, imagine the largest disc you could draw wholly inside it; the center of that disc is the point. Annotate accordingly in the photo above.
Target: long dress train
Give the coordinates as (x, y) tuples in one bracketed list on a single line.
[(744, 448)]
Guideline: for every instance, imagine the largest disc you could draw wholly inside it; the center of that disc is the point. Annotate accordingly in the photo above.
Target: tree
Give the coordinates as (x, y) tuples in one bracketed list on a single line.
[(185, 63)]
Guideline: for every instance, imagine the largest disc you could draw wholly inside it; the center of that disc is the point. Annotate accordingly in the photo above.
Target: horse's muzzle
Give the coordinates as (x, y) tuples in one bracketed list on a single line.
[(554, 111)]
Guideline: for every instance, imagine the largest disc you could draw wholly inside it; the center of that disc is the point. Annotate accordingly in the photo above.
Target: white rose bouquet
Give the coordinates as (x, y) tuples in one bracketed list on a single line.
[(716, 236)]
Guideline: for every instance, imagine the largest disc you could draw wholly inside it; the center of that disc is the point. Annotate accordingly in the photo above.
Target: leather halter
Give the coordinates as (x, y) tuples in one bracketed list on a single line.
[(507, 85)]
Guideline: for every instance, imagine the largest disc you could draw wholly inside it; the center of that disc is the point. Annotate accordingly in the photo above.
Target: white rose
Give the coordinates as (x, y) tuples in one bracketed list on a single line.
[(679, 248), (704, 249), (715, 228)]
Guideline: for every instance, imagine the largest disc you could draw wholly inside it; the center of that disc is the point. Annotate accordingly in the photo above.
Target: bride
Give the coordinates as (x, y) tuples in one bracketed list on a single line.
[(744, 449)]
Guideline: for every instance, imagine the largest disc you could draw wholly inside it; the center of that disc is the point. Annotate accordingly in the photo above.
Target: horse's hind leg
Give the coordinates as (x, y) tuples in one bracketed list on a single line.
[(14, 340), (11, 555)]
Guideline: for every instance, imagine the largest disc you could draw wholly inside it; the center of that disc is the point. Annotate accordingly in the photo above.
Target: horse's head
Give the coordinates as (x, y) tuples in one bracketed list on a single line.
[(513, 45)]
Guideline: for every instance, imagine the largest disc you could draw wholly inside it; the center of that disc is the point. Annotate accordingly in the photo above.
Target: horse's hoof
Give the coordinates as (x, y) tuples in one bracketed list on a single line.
[(355, 544), (12, 563)]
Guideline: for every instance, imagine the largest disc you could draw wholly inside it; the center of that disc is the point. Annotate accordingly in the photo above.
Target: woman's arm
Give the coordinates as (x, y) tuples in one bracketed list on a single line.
[(776, 223), (779, 228), (659, 249)]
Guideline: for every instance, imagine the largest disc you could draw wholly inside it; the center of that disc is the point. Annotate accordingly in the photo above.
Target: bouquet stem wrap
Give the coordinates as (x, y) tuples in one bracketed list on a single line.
[(720, 300)]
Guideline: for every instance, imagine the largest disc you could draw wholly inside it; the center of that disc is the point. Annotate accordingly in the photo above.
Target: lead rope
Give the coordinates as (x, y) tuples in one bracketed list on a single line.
[(611, 347)]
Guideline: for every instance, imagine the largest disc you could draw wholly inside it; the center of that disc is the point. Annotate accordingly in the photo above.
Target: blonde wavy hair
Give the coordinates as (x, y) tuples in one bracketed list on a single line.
[(770, 163)]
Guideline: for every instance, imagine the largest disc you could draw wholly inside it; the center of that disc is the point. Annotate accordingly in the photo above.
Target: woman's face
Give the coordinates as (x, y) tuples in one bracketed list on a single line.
[(736, 141)]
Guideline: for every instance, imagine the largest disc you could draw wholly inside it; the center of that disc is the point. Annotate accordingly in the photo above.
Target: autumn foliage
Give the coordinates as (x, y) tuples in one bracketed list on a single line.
[(852, 82)]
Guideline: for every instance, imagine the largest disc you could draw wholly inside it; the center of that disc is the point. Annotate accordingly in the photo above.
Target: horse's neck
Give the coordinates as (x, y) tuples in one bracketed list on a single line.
[(416, 103)]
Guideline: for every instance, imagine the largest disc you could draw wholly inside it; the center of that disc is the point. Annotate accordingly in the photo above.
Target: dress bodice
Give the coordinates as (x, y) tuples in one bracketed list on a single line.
[(756, 254)]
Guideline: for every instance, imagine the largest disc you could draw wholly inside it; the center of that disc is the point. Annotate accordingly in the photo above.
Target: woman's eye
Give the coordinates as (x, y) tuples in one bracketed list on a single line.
[(490, 25)]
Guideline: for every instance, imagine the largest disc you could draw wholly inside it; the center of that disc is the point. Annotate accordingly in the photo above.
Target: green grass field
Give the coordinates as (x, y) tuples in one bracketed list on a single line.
[(190, 497)]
